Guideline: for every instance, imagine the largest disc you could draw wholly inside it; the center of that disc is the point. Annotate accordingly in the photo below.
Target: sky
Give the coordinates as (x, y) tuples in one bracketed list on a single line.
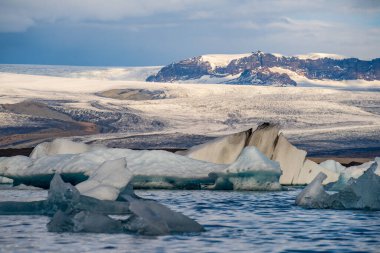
[(158, 32)]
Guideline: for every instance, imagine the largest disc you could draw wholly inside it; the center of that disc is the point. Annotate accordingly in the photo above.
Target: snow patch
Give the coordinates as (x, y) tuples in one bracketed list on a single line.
[(315, 56), (221, 60)]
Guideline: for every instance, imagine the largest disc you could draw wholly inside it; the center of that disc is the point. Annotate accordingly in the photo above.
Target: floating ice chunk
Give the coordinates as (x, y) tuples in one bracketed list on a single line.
[(107, 181), (251, 159), (310, 170), (333, 166), (360, 193), (62, 196), (222, 150), (314, 196), (5, 180), (15, 165), (290, 158), (65, 197), (154, 218), (353, 172), (251, 171), (148, 217), (61, 146), (84, 222), (264, 138)]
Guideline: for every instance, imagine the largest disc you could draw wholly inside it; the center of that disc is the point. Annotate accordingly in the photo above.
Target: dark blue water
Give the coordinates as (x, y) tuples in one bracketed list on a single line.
[(235, 222)]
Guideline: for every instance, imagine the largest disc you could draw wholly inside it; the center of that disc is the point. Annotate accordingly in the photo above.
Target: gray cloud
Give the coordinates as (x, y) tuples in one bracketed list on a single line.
[(149, 30)]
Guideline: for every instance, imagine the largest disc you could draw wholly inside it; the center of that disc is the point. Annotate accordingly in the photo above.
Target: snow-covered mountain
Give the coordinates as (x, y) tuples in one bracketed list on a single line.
[(260, 68)]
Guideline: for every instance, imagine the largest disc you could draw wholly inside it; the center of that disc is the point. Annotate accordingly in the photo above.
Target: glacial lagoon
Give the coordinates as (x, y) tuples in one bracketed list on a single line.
[(235, 221)]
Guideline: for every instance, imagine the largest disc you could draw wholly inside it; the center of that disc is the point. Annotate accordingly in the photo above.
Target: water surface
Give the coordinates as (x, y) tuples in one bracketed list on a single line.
[(235, 222)]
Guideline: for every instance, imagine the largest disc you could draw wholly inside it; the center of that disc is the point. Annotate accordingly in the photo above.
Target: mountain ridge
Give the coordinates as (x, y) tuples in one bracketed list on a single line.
[(257, 68)]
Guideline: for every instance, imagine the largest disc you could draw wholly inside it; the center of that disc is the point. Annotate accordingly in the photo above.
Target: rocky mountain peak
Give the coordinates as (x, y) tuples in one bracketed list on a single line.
[(255, 68)]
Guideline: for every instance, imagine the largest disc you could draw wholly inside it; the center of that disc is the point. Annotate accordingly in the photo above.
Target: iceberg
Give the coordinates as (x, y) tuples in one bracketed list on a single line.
[(202, 166), (150, 169), (152, 218), (310, 170), (290, 158), (353, 172), (226, 149), (333, 166), (265, 138), (360, 193), (62, 146), (222, 150), (296, 169), (105, 185), (251, 171), (4, 180), (63, 196), (73, 212), (147, 216)]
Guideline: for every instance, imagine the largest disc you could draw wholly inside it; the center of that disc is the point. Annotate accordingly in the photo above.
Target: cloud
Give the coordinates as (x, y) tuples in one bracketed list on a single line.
[(159, 31), (290, 24), (18, 15)]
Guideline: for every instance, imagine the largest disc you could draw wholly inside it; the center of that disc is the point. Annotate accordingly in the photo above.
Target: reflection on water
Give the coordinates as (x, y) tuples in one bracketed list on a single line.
[(235, 221)]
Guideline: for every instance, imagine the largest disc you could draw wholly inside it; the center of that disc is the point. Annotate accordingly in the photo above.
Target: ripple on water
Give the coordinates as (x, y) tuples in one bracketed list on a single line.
[(234, 221)]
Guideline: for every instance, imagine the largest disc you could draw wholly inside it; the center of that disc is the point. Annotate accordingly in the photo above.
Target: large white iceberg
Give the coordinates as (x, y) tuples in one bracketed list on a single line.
[(150, 168), (296, 169), (252, 170)]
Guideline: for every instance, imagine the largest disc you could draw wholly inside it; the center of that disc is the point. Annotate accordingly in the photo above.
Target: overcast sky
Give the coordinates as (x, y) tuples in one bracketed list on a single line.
[(158, 32)]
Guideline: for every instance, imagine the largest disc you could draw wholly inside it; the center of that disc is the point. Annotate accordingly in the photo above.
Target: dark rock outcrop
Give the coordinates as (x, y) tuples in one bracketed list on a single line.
[(263, 76)]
